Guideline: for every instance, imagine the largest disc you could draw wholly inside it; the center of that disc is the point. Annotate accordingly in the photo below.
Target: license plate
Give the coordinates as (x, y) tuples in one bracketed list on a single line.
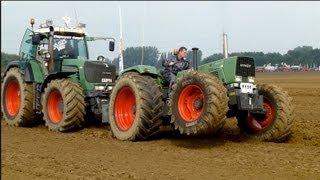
[(106, 80), (246, 88)]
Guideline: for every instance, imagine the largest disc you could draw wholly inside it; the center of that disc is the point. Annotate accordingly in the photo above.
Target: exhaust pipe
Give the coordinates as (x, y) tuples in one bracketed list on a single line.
[(195, 58), (225, 45), (51, 62)]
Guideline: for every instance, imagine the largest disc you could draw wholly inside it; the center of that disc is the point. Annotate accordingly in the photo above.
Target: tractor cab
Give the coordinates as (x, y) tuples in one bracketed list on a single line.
[(52, 44)]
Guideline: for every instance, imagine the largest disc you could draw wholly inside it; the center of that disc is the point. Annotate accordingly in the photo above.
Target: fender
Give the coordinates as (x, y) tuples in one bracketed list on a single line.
[(57, 75), (142, 69), (27, 72), (11, 65)]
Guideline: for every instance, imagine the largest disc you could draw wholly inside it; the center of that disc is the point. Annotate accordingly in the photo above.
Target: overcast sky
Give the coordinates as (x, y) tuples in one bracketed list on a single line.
[(251, 26)]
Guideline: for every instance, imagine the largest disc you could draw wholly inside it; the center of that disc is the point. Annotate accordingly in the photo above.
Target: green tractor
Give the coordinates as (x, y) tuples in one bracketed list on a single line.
[(54, 77), (200, 101)]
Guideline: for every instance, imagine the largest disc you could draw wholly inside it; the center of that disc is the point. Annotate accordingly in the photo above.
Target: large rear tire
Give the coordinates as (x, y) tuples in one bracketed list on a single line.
[(135, 108), (198, 104), (276, 126), (17, 98), (63, 105)]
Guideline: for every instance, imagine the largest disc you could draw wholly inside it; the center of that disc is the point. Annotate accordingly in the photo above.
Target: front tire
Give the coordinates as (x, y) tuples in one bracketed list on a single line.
[(17, 98), (198, 104), (135, 108), (276, 126), (63, 105)]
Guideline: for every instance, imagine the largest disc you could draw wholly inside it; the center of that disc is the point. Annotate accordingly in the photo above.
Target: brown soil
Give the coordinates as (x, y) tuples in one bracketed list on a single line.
[(91, 153)]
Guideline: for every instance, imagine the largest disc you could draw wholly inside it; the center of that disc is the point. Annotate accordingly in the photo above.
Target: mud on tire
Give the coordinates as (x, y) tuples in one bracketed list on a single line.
[(17, 98), (198, 104), (135, 107), (277, 125), (63, 105)]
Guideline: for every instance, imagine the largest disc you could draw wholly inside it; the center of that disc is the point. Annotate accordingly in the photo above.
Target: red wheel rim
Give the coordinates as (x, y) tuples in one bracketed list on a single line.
[(186, 103), (13, 98), (125, 108), (55, 106), (258, 125)]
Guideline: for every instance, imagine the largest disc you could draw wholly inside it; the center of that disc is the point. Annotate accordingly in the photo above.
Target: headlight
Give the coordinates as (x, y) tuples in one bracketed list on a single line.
[(110, 88), (238, 78), (251, 79), (99, 88)]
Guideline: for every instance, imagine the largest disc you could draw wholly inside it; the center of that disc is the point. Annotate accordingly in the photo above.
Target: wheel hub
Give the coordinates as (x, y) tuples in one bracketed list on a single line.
[(190, 103), (197, 104), (55, 106), (125, 108), (134, 109), (13, 98), (61, 106), (262, 120)]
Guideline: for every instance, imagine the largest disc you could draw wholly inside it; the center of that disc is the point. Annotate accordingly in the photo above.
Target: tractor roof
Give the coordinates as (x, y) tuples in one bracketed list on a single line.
[(79, 30), (62, 30)]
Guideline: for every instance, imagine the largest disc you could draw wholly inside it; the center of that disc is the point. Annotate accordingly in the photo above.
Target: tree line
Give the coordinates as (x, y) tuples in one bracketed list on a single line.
[(6, 58), (150, 55), (300, 55)]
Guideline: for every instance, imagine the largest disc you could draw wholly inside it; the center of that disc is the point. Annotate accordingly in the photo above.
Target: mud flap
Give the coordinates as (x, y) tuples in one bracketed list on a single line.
[(104, 110)]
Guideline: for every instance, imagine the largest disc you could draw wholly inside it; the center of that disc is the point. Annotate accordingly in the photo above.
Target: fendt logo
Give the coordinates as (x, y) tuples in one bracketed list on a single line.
[(245, 65)]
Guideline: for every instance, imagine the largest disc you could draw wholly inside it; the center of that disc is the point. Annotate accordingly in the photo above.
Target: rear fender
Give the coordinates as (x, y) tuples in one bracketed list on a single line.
[(142, 69)]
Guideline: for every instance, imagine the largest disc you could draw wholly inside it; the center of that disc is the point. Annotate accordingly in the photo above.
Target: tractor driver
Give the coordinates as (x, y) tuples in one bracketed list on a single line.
[(173, 67)]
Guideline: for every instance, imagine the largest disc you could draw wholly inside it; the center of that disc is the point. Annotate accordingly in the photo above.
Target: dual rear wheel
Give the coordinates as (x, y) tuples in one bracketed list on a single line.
[(135, 107), (198, 104), (62, 103)]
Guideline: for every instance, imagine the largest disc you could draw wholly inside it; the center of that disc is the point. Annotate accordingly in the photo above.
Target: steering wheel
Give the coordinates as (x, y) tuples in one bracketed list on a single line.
[(101, 58)]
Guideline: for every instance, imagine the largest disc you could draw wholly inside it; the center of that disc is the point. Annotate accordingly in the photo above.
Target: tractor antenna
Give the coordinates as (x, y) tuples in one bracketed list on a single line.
[(120, 43), (144, 14), (77, 21)]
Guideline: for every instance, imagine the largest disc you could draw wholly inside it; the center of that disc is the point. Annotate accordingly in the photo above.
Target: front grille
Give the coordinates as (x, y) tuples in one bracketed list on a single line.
[(97, 72), (245, 66)]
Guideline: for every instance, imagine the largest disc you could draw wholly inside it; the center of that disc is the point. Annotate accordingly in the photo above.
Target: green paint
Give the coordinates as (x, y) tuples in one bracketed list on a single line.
[(37, 71), (142, 69)]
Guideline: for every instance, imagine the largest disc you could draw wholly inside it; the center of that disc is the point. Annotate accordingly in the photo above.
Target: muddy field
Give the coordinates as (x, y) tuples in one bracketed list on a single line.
[(91, 153)]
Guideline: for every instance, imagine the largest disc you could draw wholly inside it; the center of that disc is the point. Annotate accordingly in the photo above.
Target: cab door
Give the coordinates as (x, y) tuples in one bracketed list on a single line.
[(27, 50)]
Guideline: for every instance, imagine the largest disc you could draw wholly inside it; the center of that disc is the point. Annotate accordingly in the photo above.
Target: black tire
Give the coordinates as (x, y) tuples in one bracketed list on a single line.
[(211, 117), (24, 114), (146, 102), (68, 94), (278, 128)]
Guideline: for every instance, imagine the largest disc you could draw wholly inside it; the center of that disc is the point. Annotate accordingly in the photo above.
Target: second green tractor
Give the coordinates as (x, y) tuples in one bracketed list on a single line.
[(200, 102)]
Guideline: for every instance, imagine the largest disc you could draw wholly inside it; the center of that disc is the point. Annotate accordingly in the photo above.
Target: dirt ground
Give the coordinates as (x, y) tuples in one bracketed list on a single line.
[(91, 153)]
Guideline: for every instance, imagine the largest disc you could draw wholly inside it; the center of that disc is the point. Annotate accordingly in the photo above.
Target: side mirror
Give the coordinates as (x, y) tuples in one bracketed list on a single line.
[(36, 38), (111, 45)]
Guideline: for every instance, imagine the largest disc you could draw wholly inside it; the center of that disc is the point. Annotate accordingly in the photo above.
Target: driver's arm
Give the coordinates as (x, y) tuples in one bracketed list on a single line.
[(182, 65)]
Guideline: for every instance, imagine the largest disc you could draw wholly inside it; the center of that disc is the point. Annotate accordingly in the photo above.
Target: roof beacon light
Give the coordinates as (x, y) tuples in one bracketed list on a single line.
[(32, 21)]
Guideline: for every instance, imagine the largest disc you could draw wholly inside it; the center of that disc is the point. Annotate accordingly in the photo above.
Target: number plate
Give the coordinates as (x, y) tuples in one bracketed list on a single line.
[(106, 80), (246, 88)]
